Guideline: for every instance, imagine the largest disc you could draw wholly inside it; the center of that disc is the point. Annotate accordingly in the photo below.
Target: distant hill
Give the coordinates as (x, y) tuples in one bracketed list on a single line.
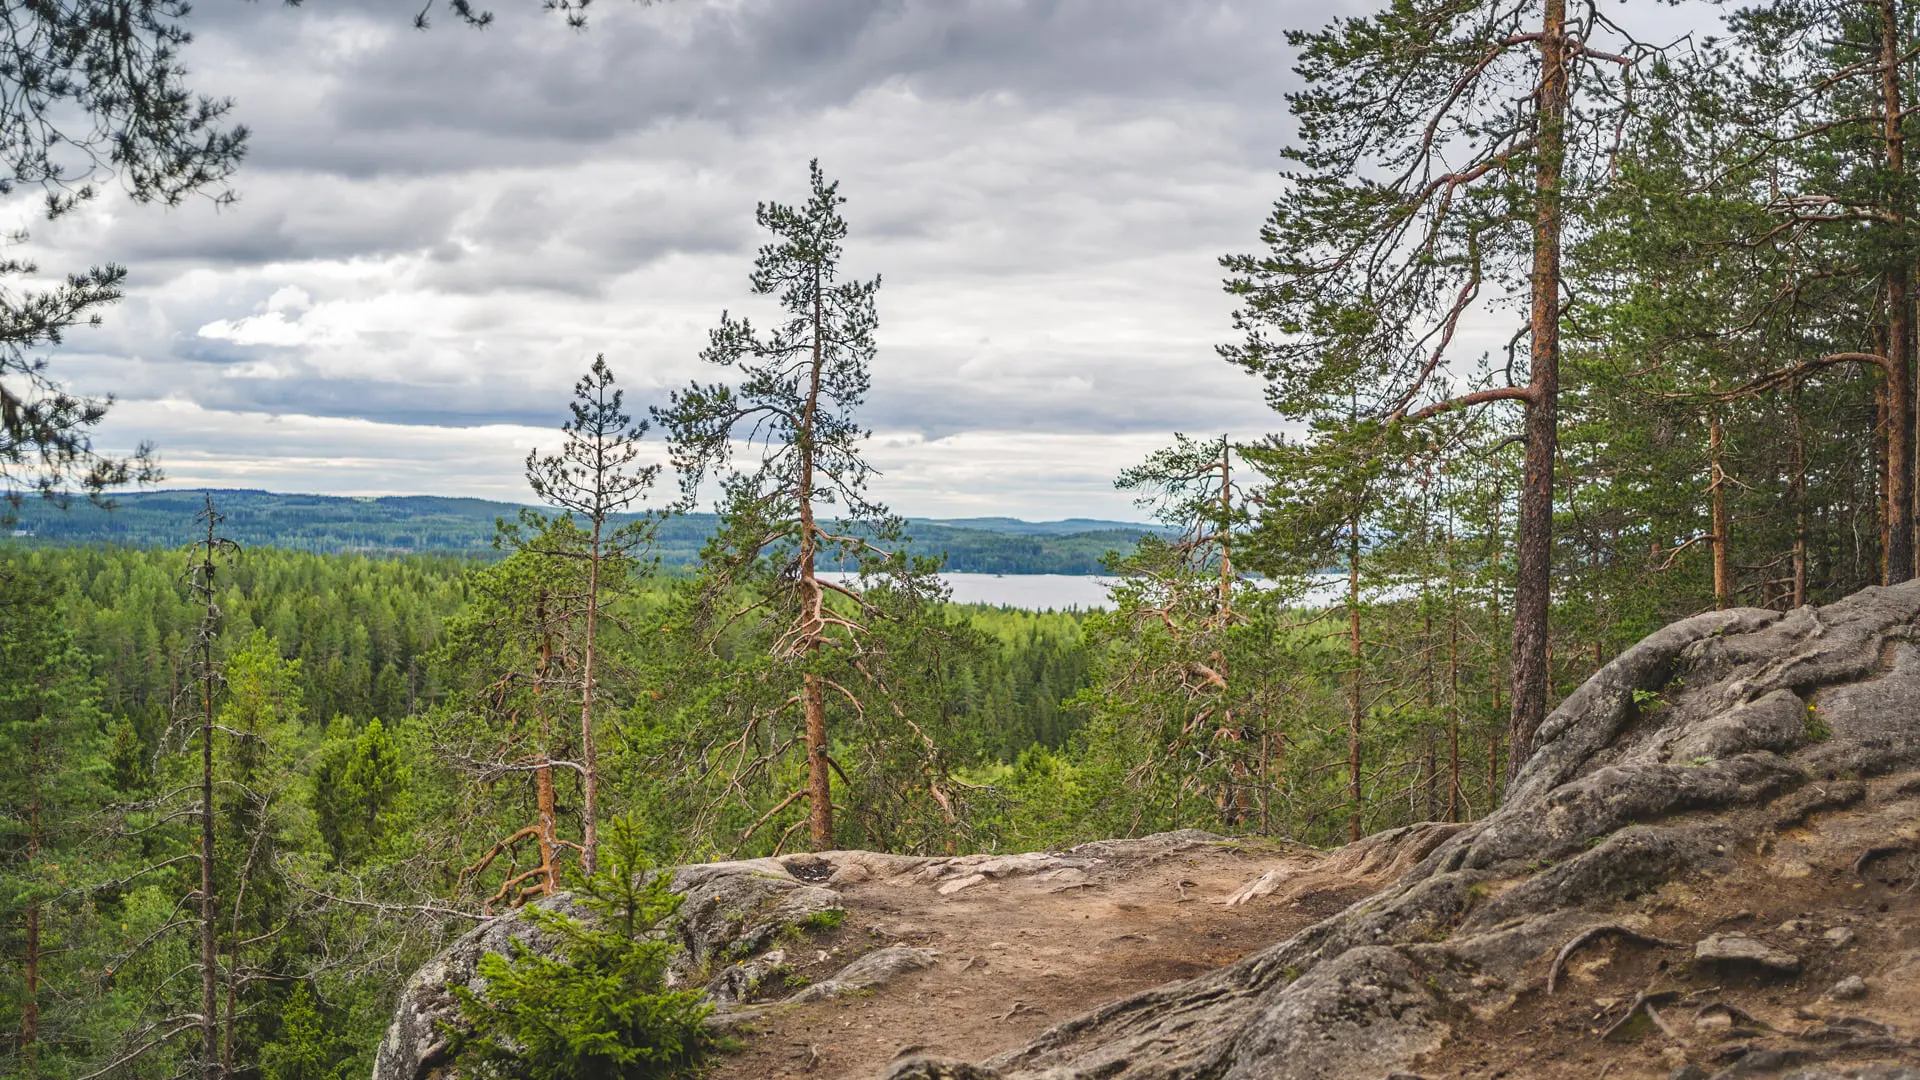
[(430, 524), (1015, 527)]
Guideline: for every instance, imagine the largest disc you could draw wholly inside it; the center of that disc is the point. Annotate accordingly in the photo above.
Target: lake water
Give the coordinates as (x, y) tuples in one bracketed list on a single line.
[(1057, 592)]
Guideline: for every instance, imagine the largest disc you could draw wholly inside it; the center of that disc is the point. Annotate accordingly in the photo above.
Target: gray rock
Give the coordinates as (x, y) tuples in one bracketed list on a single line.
[(414, 1042), (1851, 988), (1839, 937), (741, 981), (875, 968), (1882, 1071), (732, 911), (1739, 950), (1615, 802), (935, 1068)]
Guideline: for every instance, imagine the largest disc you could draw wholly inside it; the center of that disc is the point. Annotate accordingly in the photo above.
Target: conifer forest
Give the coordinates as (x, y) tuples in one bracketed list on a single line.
[(245, 790)]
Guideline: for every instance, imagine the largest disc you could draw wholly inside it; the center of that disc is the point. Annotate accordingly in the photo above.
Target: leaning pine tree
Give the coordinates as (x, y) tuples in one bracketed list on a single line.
[(1441, 142), (793, 399)]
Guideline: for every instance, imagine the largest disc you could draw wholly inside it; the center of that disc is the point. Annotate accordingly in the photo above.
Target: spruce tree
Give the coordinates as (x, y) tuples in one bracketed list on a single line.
[(52, 761)]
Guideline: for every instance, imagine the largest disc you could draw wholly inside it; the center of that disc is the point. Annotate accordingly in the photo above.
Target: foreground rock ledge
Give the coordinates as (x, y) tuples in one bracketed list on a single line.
[(1757, 722), (751, 931)]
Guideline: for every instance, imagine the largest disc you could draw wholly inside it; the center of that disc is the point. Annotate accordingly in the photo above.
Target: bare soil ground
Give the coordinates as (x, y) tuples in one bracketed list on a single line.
[(1020, 954)]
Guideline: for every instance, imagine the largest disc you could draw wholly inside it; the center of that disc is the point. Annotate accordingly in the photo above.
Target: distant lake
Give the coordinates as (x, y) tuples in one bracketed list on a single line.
[(1057, 592), (1036, 592)]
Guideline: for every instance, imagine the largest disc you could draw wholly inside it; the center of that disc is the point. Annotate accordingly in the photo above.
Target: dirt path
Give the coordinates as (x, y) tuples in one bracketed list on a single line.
[(1022, 952)]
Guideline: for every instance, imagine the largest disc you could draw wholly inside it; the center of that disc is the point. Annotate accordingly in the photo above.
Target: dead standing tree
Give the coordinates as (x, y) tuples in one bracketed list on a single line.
[(192, 800), (1186, 584)]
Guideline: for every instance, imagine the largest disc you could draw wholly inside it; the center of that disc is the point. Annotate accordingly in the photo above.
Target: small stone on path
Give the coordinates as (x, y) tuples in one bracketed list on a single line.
[(1850, 988), (1741, 949)]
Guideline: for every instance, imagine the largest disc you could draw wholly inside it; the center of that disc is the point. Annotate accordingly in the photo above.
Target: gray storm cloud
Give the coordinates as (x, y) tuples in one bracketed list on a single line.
[(469, 216)]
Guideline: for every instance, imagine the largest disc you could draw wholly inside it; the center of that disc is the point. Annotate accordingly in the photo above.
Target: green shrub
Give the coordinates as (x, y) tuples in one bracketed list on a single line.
[(600, 1010)]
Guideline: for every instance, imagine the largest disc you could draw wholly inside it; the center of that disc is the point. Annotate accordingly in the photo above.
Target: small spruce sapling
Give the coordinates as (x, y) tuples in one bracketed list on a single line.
[(600, 1007)]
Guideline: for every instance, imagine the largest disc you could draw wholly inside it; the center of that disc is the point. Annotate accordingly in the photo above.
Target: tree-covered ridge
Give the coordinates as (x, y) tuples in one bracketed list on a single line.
[(428, 524)]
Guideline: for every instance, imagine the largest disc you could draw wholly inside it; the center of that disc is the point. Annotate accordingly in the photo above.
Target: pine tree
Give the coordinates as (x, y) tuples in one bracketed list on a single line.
[(595, 476), (1441, 147), (799, 387)]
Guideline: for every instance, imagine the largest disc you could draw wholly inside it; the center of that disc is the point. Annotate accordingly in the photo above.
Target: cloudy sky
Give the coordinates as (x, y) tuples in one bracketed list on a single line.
[(438, 230)]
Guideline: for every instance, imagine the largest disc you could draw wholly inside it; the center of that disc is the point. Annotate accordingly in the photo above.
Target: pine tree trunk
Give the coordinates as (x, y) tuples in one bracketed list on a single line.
[(1354, 695), (209, 955), (1453, 707), (1799, 496), (1226, 533), (589, 757), (547, 818), (1533, 585), (813, 601), (1900, 402), (30, 1006), (1497, 537), (1432, 775), (819, 779), (1722, 535)]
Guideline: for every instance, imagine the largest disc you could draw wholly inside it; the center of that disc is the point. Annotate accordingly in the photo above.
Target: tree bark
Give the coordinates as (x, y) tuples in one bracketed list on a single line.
[(30, 1007), (819, 777), (1226, 533), (209, 954), (813, 602), (1533, 583), (1722, 535), (1900, 402), (1354, 690), (1799, 495), (1453, 698), (546, 815), (589, 756)]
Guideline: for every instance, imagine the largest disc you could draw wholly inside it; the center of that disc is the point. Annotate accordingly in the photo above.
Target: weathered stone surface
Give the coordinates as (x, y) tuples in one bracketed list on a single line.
[(734, 917), (874, 969), (928, 1068), (1739, 950), (748, 977), (1851, 988), (1641, 777), (731, 911), (414, 1044)]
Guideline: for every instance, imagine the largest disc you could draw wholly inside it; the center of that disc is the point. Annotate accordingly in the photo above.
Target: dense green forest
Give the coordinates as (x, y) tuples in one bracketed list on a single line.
[(245, 790), (432, 525)]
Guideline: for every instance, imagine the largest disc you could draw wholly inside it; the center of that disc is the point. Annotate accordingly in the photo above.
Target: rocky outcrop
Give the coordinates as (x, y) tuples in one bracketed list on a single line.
[(1688, 758), (731, 911), (750, 932)]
